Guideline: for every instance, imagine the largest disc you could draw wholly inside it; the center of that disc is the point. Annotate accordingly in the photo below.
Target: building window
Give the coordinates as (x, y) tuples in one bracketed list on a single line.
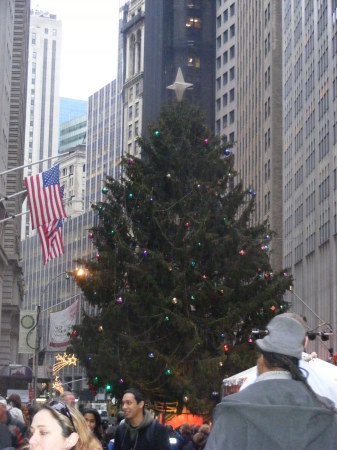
[(137, 89), (224, 100), (225, 57), (130, 112), (218, 83), (46, 31), (232, 52), (218, 21), (218, 62), (54, 32), (232, 73), (195, 23), (232, 9), (231, 116), (33, 38), (136, 128), (231, 95), (225, 78), (232, 31), (193, 62), (137, 109), (225, 16), (218, 104), (130, 132), (225, 36), (224, 121)]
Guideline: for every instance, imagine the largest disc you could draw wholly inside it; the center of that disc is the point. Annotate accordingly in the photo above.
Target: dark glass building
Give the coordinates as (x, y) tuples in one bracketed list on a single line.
[(179, 33)]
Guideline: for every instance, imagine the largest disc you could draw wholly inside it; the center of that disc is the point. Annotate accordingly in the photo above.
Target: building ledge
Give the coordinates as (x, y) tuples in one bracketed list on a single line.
[(133, 22)]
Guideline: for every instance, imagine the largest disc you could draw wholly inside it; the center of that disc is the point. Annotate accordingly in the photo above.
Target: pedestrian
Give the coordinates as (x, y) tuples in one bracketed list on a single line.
[(139, 430), (15, 407), (184, 436), (58, 426), (13, 433), (111, 431), (280, 411), (68, 398), (93, 419)]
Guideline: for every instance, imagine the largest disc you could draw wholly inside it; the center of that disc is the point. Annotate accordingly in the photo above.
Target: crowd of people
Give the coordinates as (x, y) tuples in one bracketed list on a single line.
[(279, 411)]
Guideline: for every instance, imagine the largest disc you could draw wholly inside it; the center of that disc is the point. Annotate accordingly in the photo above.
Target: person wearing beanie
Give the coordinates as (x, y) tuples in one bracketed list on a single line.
[(279, 411)]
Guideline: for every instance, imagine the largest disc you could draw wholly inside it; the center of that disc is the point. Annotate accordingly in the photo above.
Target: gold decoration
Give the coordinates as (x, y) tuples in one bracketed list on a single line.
[(63, 361)]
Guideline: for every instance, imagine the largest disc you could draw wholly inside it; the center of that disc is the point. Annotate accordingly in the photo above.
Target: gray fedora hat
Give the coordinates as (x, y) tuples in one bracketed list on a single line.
[(285, 336)]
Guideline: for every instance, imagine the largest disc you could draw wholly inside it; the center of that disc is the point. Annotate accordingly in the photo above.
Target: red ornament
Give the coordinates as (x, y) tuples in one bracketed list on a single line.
[(206, 141), (74, 333), (204, 277), (272, 308), (187, 224), (97, 256), (266, 276), (222, 291), (90, 235), (242, 252)]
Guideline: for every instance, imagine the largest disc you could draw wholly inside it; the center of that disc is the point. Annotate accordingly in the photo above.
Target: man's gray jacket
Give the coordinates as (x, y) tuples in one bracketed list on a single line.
[(277, 414)]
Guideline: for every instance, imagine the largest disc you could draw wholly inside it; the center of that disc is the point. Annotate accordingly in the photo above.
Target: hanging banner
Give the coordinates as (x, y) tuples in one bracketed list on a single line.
[(27, 331), (60, 325)]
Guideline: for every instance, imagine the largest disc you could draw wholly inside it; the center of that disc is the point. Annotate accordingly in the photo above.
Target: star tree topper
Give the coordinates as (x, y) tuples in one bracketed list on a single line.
[(179, 85)]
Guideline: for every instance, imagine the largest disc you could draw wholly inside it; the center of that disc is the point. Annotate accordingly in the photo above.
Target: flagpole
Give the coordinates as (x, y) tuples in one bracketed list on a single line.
[(32, 164), (13, 195)]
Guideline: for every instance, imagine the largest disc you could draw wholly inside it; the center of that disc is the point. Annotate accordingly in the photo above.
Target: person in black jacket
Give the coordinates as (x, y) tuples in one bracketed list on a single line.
[(139, 431)]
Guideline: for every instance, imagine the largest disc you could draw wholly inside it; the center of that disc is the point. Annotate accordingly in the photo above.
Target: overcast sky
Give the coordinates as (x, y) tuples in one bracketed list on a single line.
[(89, 43)]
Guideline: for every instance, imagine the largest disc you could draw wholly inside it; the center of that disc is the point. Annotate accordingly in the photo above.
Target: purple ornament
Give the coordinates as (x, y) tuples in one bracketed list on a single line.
[(121, 381), (206, 141), (145, 253), (119, 300), (130, 161), (90, 235)]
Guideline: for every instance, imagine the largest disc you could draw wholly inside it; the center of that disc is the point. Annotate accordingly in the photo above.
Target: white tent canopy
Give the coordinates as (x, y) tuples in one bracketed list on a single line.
[(322, 377)]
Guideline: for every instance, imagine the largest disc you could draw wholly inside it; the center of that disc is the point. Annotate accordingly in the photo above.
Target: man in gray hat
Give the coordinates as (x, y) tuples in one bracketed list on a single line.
[(279, 411)]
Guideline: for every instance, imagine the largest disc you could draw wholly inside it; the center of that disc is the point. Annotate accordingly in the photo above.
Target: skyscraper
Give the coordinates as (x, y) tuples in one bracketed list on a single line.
[(248, 102), (14, 29), (159, 38), (42, 114), (309, 160)]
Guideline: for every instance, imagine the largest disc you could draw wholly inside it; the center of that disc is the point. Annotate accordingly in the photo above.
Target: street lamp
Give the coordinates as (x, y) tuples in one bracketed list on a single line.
[(78, 272)]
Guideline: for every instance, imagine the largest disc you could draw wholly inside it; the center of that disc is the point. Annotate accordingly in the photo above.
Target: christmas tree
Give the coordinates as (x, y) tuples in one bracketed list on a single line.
[(181, 277)]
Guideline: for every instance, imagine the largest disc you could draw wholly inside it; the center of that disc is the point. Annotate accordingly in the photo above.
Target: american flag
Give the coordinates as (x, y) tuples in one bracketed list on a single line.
[(44, 197), (51, 238)]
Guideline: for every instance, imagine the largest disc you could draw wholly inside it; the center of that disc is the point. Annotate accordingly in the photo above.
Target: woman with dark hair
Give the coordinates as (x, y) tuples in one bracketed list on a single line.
[(58, 426), (94, 421)]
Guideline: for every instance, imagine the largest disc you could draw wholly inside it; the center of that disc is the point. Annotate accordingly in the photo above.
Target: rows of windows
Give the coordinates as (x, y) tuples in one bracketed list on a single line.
[(323, 105), (324, 189), (323, 144), (309, 84), (310, 124), (310, 204), (298, 215), (310, 243), (323, 62), (298, 140), (298, 178), (267, 202), (298, 103)]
